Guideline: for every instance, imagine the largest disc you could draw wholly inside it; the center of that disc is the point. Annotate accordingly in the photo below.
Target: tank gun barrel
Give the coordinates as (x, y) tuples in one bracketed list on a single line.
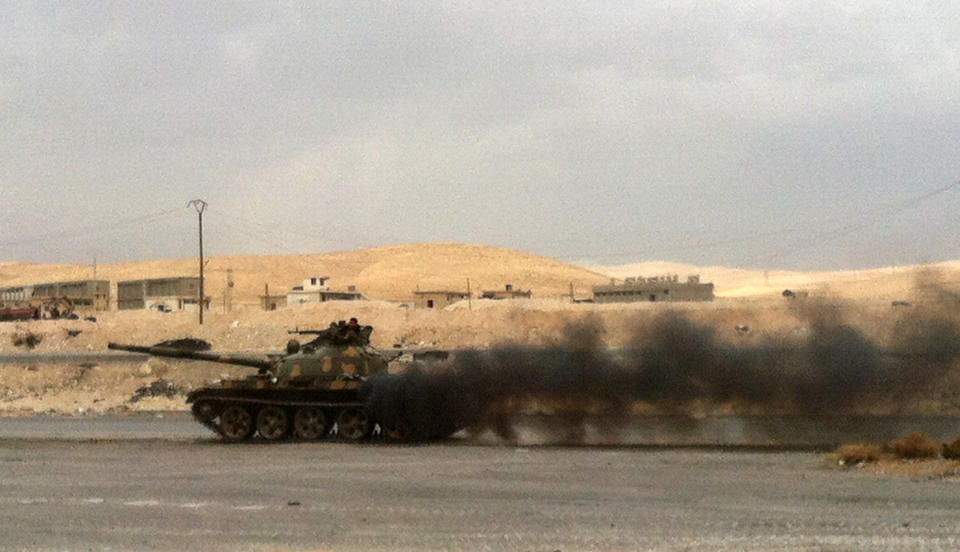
[(172, 352)]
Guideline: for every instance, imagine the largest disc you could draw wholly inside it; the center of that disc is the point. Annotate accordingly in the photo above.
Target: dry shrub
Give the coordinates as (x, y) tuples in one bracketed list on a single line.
[(158, 388), (26, 339), (857, 453), (951, 450), (915, 445)]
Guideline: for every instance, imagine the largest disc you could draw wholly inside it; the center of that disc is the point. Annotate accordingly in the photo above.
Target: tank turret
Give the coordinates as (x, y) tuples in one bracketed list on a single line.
[(310, 391)]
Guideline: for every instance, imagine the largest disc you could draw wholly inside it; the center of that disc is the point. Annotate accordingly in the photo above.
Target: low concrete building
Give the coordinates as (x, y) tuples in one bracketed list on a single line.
[(163, 294), (507, 293), (83, 294), (315, 290), (437, 299), (272, 302), (655, 289)]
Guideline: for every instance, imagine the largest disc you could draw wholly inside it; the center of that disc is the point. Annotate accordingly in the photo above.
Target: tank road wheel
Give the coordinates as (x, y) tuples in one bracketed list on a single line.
[(353, 424), (272, 423), (309, 423), (236, 423), (396, 430)]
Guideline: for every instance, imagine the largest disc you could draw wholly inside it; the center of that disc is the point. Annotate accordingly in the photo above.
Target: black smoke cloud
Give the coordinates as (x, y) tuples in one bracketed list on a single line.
[(672, 365)]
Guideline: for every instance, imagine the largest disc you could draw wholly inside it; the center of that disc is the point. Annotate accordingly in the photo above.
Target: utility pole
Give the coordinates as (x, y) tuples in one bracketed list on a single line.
[(469, 296), (228, 292), (200, 205)]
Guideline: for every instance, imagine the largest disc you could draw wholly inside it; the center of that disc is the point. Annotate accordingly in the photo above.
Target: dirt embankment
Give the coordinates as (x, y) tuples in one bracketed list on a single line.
[(97, 386), (843, 308)]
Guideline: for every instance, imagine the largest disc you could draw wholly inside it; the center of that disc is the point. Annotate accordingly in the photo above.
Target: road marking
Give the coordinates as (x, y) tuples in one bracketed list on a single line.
[(142, 503), (145, 503)]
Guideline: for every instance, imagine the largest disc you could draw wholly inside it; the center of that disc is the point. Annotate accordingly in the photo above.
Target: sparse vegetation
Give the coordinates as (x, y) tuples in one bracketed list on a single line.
[(951, 450), (915, 445), (858, 453), (26, 339), (158, 388), (915, 455)]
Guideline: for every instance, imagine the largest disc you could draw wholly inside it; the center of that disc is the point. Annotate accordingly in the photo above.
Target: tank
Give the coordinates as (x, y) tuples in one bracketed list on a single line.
[(310, 392)]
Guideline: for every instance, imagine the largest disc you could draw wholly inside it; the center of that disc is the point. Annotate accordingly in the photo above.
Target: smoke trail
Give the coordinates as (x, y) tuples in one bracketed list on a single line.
[(673, 365)]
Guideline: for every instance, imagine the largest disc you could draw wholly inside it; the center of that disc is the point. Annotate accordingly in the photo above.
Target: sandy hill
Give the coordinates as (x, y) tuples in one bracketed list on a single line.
[(394, 272), (391, 273)]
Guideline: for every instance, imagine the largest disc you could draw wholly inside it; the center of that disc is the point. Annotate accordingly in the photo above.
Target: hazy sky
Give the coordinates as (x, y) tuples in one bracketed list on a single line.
[(761, 134)]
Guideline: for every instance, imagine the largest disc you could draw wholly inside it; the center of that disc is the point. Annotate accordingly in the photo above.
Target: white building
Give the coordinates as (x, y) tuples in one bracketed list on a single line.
[(315, 290)]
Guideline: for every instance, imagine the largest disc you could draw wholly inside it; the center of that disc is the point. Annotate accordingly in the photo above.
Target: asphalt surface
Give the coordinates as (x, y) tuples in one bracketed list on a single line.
[(157, 425), (189, 493), (794, 432)]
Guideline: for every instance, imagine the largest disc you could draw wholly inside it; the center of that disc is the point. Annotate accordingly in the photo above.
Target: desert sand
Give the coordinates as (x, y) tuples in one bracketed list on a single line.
[(388, 276), (390, 273)]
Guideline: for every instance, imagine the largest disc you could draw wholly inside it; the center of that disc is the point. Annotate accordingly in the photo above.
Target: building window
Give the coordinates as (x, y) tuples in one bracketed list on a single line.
[(429, 303)]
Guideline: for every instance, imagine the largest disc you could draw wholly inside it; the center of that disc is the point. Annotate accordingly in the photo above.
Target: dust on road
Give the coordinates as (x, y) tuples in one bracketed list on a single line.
[(166, 495)]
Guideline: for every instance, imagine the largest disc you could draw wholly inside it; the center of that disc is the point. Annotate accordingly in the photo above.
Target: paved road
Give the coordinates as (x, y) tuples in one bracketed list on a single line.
[(198, 494), (777, 431), (167, 425)]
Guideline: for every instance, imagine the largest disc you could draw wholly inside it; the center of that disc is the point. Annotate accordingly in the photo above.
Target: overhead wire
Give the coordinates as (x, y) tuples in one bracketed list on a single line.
[(865, 218), (244, 229), (278, 238), (830, 235), (87, 231), (274, 236), (277, 235)]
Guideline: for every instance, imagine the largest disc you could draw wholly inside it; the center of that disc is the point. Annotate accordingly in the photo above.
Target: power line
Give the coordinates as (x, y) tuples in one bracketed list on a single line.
[(865, 217), (252, 232), (272, 234), (866, 220), (272, 231), (91, 230)]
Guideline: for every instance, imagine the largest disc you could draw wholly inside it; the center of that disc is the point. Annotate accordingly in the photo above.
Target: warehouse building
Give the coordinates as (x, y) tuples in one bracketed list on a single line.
[(654, 289), (82, 294), (13, 295), (163, 294)]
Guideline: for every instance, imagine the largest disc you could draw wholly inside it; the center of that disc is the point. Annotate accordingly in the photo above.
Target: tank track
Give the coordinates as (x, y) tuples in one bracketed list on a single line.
[(206, 421), (208, 410)]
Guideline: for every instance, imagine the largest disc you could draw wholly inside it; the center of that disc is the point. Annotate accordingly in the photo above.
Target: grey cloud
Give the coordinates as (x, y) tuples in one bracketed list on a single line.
[(568, 129)]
